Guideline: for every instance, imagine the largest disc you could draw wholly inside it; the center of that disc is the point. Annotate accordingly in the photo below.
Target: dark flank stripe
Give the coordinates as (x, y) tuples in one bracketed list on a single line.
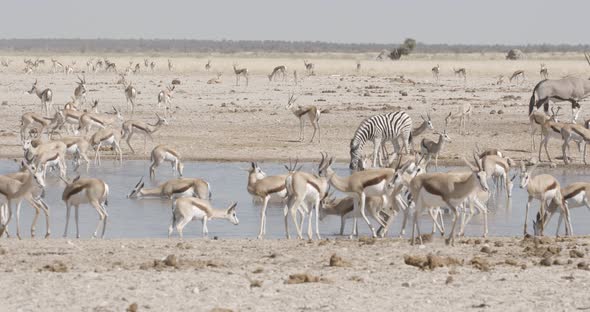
[(573, 193), (71, 191), (303, 112), (172, 152), (53, 158), (106, 137), (430, 189), (579, 133), (552, 186), (140, 128), (183, 189), (41, 121), (98, 121), (315, 186), (555, 129), (277, 189), (374, 181)]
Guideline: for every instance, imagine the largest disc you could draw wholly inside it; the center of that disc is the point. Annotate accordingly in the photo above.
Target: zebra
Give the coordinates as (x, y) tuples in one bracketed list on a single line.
[(379, 129)]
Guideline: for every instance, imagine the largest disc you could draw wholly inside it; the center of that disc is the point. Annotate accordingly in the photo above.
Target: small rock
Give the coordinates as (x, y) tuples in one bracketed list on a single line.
[(336, 261), (499, 244), (486, 249), (493, 112), (449, 280), (500, 112), (196, 290), (403, 93), (171, 261), (405, 284), (132, 307), (583, 266), (576, 253), (546, 262)]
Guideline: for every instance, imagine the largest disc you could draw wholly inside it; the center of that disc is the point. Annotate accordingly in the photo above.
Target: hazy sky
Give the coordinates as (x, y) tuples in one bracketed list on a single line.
[(429, 21)]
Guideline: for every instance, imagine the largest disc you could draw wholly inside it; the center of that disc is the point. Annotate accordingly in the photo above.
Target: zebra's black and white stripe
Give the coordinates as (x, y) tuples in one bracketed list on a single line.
[(379, 129)]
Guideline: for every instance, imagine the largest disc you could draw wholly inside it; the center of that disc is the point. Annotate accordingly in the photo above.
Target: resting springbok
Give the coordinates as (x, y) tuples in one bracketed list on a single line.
[(131, 127), (430, 148), (162, 153), (174, 188), (305, 190), (575, 195), (46, 97), (515, 75), (86, 191), (578, 134), (106, 137), (543, 188), (431, 190), (263, 187), (165, 97), (537, 119), (80, 91), (240, 72), (19, 186), (186, 209), (436, 71), (279, 69), (544, 72), (300, 112), (550, 129), (461, 72), (463, 114)]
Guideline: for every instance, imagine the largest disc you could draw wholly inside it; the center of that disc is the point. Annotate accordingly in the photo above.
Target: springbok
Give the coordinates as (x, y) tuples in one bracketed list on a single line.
[(498, 168), (106, 137), (186, 209), (70, 118), (279, 69), (86, 191), (446, 189), (463, 114), (170, 66), (516, 74), (430, 148), (162, 153), (80, 91), (208, 65), (425, 125), (309, 67), (165, 97), (131, 127), (264, 187), (300, 112), (89, 120), (174, 188), (46, 96), (216, 80), (461, 72), (550, 129), (78, 147), (31, 119), (56, 66), (46, 154), (436, 71), (537, 119), (578, 134), (19, 186), (543, 188), (544, 72), (240, 72), (575, 195), (130, 95)]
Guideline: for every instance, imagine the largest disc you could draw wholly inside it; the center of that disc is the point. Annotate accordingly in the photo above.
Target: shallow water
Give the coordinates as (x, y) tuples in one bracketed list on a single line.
[(133, 218)]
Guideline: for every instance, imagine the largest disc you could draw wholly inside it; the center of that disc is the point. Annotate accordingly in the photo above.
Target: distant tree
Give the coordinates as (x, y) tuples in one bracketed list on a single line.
[(404, 49)]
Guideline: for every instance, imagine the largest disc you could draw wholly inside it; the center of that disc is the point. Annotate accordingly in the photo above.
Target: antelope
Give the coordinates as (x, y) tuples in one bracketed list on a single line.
[(300, 112), (343, 207), (240, 72), (16, 187), (578, 134), (56, 65), (575, 195), (426, 124), (461, 72), (170, 66), (28, 70), (446, 189), (215, 80), (71, 119), (500, 80), (309, 67), (463, 114), (89, 66), (152, 66), (498, 168), (46, 96), (130, 127), (80, 91), (174, 188), (72, 104), (537, 119), (279, 69), (436, 71), (110, 66), (31, 118), (162, 153), (69, 69), (208, 65), (78, 147), (361, 184), (550, 129), (52, 159), (5, 62), (46, 154), (516, 74), (88, 120), (137, 69), (265, 187), (430, 148), (165, 96), (106, 137), (544, 188), (186, 209), (146, 63), (544, 72), (307, 190), (358, 66), (130, 95), (86, 191)]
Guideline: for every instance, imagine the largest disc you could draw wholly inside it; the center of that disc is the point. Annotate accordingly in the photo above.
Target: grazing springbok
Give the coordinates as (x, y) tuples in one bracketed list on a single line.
[(463, 114), (170, 66), (186, 209), (89, 120), (130, 95), (431, 148), (436, 71), (575, 195), (77, 147), (461, 72), (165, 97), (19, 186), (537, 119), (432, 190), (162, 153), (46, 154), (32, 119), (305, 190), (86, 191), (106, 137), (264, 187), (208, 65), (174, 188), (131, 127), (578, 134), (550, 129), (46, 97), (309, 67), (516, 74), (311, 111), (80, 91), (544, 72), (279, 69), (543, 188), (240, 72)]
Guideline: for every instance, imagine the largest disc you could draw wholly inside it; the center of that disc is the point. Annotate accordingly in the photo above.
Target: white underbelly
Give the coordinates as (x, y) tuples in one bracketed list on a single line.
[(169, 157), (72, 149), (375, 189), (198, 214), (576, 201)]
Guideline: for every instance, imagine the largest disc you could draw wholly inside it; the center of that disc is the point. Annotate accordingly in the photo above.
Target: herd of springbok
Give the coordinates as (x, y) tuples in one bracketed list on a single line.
[(379, 187)]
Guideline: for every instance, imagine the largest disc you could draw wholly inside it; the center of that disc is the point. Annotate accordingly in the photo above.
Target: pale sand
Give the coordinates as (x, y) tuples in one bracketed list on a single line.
[(110, 275)]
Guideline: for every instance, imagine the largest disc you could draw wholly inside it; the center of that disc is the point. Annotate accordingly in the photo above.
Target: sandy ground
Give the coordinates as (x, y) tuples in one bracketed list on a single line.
[(228, 122), (500, 274)]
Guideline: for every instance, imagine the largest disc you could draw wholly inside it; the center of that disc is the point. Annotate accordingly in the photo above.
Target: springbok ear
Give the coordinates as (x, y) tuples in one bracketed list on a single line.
[(513, 177), (232, 207)]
